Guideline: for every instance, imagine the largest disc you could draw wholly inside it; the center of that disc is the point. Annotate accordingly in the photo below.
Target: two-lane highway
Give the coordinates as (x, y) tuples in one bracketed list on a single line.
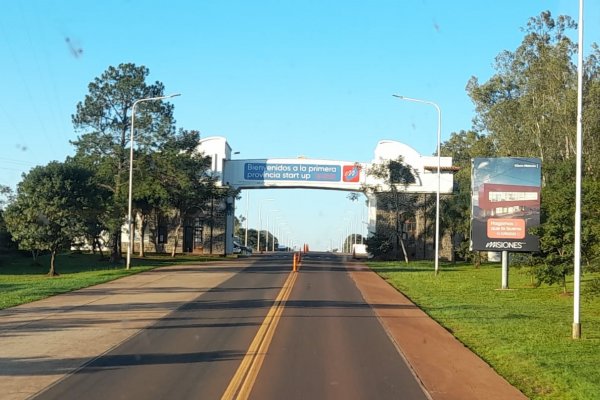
[(330, 345), (267, 333)]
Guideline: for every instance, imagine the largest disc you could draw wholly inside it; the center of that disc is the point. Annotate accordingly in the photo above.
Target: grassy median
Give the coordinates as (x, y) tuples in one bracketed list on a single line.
[(523, 333), (23, 281)]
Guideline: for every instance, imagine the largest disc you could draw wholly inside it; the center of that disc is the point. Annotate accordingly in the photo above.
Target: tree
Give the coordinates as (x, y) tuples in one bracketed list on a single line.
[(5, 196), (184, 175), (104, 118), (252, 237), (150, 196), (555, 261), (238, 227), (455, 214), (394, 175), (95, 218), (590, 228), (556, 235), (49, 210), (379, 244), (528, 107), (5, 238), (591, 114)]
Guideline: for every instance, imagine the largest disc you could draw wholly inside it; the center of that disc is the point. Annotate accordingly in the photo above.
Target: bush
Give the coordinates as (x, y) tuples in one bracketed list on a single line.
[(380, 246), (592, 289)]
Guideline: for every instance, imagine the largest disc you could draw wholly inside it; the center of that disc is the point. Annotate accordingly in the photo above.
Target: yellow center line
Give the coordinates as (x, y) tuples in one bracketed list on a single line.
[(242, 382)]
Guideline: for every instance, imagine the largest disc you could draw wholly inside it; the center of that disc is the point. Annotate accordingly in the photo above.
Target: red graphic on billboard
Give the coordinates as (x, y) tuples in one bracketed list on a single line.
[(505, 228), (351, 173), (495, 199)]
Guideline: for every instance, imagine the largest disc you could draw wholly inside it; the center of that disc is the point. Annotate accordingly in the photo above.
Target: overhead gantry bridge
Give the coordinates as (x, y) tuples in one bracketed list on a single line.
[(306, 173)]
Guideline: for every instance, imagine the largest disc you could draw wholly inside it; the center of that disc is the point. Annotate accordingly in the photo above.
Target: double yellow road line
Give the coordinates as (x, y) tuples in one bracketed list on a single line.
[(242, 382)]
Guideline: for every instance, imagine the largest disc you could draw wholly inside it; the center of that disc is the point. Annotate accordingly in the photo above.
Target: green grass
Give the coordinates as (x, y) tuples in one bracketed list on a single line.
[(22, 281), (523, 333)]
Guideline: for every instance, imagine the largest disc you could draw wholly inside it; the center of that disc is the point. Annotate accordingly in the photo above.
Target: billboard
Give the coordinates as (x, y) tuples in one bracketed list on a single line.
[(505, 203)]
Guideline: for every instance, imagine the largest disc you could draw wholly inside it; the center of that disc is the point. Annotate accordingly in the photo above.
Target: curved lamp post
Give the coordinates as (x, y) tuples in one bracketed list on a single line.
[(437, 199), (129, 219)]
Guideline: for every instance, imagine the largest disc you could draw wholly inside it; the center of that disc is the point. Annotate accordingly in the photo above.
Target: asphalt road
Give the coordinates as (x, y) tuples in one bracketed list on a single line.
[(328, 344)]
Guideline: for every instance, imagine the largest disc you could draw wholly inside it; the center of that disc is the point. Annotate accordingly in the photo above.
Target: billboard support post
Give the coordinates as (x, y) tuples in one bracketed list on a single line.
[(505, 270)]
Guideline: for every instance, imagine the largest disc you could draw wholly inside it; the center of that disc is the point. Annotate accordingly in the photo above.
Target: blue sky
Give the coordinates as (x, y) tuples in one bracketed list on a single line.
[(276, 78)]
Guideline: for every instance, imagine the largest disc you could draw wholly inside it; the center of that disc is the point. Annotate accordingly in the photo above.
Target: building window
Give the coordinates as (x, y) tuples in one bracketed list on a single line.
[(162, 234), (410, 227), (512, 196), (198, 237)]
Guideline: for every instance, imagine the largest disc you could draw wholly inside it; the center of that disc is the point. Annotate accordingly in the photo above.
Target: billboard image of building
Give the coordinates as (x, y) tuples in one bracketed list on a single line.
[(505, 203)]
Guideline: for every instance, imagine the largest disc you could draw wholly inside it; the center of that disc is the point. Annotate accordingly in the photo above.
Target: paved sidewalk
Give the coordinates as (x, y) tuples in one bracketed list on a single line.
[(43, 341)]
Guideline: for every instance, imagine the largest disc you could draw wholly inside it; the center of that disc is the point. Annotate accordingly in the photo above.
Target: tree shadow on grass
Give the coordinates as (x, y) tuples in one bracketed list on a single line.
[(408, 268)]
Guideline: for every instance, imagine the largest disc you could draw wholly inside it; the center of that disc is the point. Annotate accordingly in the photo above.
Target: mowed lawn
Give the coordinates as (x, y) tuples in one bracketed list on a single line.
[(523, 333), (22, 281)]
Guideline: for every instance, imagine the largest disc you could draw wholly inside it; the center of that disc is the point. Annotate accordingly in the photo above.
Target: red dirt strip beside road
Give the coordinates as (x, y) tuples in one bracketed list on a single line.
[(446, 368)]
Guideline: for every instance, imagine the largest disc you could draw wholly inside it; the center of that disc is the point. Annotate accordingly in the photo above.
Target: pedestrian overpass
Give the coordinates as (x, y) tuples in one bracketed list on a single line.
[(306, 173)]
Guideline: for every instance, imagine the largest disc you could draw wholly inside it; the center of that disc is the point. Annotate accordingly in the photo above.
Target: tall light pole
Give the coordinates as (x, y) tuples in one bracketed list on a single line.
[(275, 234), (129, 219), (577, 245), (260, 203), (269, 232), (276, 229), (437, 199), (247, 208), (267, 235)]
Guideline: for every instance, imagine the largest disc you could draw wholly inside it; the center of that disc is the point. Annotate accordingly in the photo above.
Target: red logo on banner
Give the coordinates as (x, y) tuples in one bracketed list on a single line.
[(351, 173)]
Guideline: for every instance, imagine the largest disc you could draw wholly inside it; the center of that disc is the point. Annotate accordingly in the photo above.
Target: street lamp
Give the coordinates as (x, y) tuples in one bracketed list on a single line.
[(247, 208), (267, 233), (437, 199), (129, 219), (276, 229), (576, 329), (285, 233), (260, 203)]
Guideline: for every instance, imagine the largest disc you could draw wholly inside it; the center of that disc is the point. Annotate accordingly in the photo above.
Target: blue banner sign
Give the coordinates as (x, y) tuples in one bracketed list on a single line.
[(292, 172)]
